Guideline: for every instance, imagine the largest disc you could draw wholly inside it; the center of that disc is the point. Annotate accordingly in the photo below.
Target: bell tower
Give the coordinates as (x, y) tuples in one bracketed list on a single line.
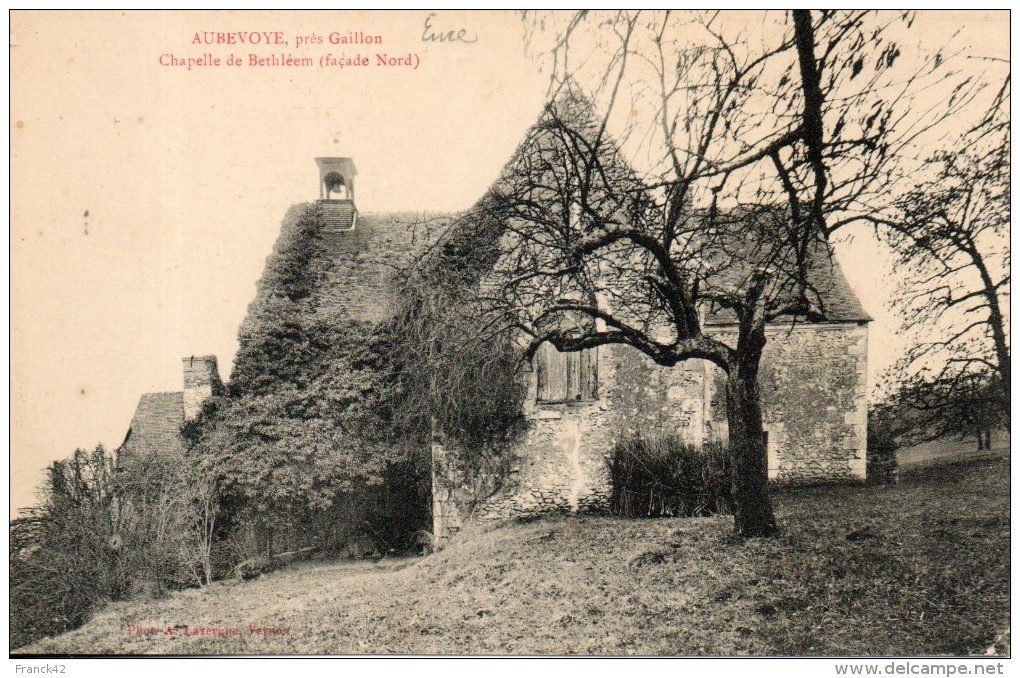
[(336, 193)]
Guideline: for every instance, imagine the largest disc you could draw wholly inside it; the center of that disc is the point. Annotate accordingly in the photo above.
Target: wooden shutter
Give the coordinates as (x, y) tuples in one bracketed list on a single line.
[(572, 368), (564, 377), (589, 374), (557, 375)]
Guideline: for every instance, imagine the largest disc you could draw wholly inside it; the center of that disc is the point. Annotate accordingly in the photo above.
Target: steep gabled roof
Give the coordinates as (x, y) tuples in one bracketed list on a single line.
[(828, 288), (359, 280), (156, 425), (830, 293), (749, 239), (354, 269), (842, 303)]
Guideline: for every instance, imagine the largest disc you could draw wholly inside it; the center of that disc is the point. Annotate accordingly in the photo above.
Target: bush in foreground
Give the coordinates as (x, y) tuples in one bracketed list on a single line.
[(662, 475)]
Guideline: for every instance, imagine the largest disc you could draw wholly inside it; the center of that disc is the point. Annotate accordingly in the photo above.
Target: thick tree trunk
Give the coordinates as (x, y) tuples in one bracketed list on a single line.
[(753, 515)]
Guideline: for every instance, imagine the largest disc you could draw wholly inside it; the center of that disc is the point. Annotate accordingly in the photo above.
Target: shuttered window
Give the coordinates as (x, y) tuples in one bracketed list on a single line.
[(566, 377)]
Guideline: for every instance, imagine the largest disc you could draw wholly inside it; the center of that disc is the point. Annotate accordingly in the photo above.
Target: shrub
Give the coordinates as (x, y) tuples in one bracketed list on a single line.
[(882, 466), (107, 527), (65, 561), (167, 514), (663, 475)]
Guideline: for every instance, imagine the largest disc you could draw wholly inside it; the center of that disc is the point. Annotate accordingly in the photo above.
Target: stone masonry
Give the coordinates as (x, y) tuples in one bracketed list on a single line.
[(813, 384)]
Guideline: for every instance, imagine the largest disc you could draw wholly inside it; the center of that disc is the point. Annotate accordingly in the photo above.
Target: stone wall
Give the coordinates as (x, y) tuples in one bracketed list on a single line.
[(813, 384), (447, 496), (559, 465), (814, 399), (645, 397)]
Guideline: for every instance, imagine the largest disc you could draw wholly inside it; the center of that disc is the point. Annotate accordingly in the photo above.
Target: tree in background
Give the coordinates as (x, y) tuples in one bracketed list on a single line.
[(206, 499), (950, 234)]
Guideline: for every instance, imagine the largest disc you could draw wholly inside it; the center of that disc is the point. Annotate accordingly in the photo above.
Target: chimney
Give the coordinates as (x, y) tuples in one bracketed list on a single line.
[(201, 380)]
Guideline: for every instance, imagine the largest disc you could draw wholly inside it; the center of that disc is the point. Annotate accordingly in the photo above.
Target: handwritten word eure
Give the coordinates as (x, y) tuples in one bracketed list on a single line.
[(430, 34)]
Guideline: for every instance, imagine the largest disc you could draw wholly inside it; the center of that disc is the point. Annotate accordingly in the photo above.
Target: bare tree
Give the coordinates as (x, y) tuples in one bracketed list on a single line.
[(950, 234), (204, 489), (170, 503), (759, 144)]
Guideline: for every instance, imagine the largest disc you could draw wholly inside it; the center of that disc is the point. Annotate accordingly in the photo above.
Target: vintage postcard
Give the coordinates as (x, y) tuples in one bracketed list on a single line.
[(512, 333)]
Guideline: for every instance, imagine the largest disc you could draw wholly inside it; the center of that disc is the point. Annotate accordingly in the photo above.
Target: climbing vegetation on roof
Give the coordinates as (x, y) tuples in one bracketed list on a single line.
[(457, 367), (329, 411), (304, 427)]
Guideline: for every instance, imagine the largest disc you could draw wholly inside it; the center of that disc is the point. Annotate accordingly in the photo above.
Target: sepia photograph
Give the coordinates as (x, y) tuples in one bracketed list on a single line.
[(516, 333)]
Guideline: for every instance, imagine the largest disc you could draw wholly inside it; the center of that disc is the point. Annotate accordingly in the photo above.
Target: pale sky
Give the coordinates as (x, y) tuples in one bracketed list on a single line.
[(145, 198)]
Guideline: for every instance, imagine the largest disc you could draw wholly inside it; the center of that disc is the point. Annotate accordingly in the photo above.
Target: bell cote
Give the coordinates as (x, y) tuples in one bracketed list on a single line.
[(336, 193), (336, 178)]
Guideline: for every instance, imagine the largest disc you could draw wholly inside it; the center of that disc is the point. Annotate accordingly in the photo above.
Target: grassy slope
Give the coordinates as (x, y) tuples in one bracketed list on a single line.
[(925, 570), (946, 450)]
